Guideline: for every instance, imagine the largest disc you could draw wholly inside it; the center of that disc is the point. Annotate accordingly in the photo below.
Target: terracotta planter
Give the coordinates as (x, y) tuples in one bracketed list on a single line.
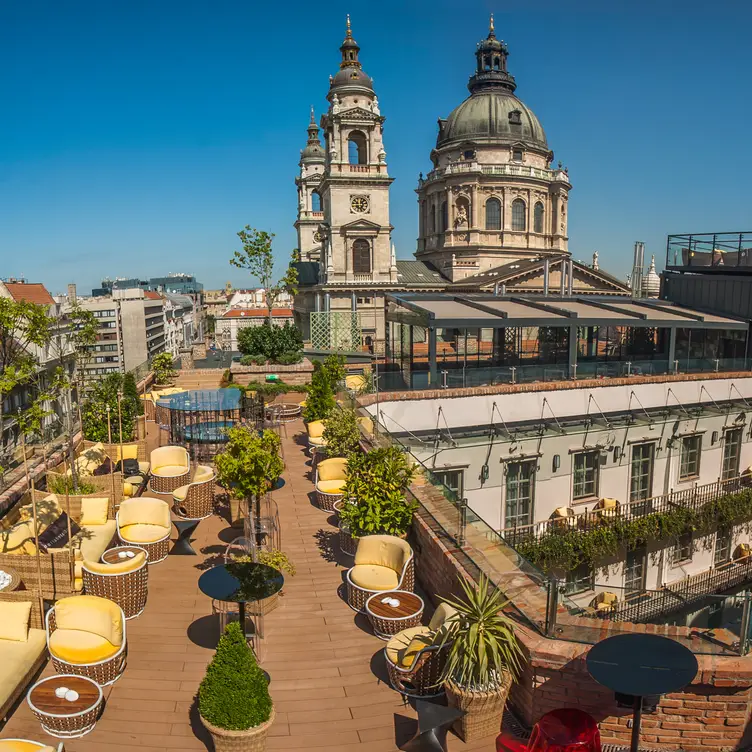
[(483, 710), (249, 740)]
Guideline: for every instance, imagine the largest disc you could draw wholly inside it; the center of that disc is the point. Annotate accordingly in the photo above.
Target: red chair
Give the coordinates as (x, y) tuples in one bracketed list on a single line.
[(562, 730)]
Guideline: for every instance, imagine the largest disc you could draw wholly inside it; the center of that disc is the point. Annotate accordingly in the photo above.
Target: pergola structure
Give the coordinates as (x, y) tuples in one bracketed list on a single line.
[(444, 340)]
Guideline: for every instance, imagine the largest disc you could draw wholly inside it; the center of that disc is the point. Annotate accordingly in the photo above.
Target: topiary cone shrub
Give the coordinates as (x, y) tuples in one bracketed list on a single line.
[(233, 698)]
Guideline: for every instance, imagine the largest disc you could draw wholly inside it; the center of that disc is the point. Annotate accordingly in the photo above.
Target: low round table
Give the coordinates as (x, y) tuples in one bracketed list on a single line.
[(112, 555), (60, 717), (15, 579), (388, 620), (287, 412)]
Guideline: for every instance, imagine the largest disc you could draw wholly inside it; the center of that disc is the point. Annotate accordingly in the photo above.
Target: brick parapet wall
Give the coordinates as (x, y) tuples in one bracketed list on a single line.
[(299, 373), (545, 386), (711, 715)]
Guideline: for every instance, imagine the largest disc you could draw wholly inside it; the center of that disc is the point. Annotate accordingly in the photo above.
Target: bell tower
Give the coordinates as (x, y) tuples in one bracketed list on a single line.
[(355, 185), (310, 210)]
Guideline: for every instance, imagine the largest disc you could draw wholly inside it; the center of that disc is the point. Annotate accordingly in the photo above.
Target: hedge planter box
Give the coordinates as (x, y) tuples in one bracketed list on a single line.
[(249, 740), (299, 373)]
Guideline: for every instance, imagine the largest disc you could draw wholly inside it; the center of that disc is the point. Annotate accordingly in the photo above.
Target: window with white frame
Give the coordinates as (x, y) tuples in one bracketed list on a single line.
[(682, 550), (452, 479), (581, 579), (722, 553), (585, 475), (689, 465), (732, 447), (520, 487)]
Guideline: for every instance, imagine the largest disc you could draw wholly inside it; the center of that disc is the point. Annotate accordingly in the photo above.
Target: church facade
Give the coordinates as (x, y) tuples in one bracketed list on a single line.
[(493, 211)]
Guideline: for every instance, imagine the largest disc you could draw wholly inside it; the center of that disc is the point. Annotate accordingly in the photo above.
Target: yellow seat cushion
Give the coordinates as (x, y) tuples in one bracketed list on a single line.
[(14, 620), (94, 511), (95, 540), (21, 745), (315, 429), (366, 424), (18, 540), (398, 645), (144, 510), (141, 533), (383, 550), (79, 647), (170, 471), (355, 382), (90, 613), (203, 473), (17, 658), (331, 486), (374, 577), (127, 490), (332, 469), (120, 567), (179, 494), (316, 441)]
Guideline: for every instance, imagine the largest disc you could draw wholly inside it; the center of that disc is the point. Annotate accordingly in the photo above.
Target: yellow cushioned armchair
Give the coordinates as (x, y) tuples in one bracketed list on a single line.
[(382, 562), (86, 636), (315, 431), (170, 468), (145, 522), (415, 660), (330, 482), (195, 500)]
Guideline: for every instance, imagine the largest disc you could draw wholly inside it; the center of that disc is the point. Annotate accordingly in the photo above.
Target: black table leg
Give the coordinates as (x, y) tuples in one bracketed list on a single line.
[(185, 529)]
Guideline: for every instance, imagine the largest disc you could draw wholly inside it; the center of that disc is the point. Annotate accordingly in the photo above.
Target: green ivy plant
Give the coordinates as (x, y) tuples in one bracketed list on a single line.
[(374, 493), (250, 464), (234, 693), (566, 548), (342, 432)]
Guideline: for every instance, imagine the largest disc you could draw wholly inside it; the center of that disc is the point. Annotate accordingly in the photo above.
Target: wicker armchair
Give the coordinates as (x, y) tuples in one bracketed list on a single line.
[(170, 468), (315, 431), (415, 661), (604, 603), (17, 673), (124, 583), (145, 522), (86, 637), (330, 482), (382, 562), (195, 501)]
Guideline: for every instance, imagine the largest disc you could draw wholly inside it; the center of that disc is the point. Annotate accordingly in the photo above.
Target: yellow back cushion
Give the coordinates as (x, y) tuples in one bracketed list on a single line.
[(411, 652), (169, 455), (384, 551), (14, 620), (21, 745), (315, 429), (94, 511), (18, 540), (333, 469), (48, 510), (145, 511), (120, 567), (440, 616), (203, 472), (130, 452), (90, 613)]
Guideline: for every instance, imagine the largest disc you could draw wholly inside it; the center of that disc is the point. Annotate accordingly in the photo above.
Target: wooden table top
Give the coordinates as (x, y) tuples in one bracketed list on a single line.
[(43, 698), (111, 556), (15, 579), (410, 604)]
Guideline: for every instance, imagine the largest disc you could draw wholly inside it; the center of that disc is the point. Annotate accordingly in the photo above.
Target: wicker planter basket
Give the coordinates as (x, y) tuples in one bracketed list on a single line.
[(348, 545), (483, 710), (250, 740)]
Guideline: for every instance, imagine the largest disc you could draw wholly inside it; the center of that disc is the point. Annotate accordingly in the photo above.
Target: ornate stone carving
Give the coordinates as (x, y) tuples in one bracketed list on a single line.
[(460, 217)]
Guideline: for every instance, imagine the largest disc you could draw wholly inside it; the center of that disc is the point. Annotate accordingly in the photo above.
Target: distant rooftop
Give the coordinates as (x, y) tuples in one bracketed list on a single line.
[(237, 313), (710, 252), (29, 292)]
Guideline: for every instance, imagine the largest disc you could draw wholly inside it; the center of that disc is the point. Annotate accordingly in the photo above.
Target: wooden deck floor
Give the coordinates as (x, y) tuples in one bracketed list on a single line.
[(328, 679)]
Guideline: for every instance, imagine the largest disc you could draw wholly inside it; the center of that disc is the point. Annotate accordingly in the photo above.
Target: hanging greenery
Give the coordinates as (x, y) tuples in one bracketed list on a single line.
[(567, 548)]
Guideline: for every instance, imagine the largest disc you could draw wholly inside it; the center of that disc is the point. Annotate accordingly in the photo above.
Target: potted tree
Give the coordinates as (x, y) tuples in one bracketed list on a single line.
[(248, 467), (483, 659), (374, 501), (320, 401), (233, 698), (342, 433), (164, 373)]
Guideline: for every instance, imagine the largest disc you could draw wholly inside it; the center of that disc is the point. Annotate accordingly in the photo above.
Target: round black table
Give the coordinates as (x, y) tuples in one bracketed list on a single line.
[(241, 583), (640, 665)]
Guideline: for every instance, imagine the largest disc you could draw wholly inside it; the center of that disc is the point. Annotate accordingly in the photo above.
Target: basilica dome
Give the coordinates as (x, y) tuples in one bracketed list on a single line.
[(492, 114)]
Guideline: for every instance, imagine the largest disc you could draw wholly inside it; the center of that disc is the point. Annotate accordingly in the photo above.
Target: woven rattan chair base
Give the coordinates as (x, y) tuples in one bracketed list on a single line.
[(104, 674), (326, 501), (347, 544), (128, 590), (423, 682), (163, 484), (156, 551)]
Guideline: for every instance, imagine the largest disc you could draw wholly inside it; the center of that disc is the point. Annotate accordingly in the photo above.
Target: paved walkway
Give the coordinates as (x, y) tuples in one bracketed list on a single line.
[(328, 678)]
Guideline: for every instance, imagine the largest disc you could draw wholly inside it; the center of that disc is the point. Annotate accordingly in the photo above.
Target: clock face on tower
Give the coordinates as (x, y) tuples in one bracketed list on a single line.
[(317, 236), (359, 204)]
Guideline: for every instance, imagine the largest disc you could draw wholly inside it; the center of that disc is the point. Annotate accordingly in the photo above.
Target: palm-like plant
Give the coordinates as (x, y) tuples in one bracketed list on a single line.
[(482, 649)]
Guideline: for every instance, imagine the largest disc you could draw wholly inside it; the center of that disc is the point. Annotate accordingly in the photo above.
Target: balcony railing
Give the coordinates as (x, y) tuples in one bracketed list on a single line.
[(515, 170), (586, 521)]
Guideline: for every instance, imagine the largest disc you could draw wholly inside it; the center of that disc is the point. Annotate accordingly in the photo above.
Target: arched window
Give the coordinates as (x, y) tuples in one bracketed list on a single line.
[(493, 214), (444, 216), (316, 202), (357, 148), (519, 220), (361, 251), (433, 218), (538, 217)]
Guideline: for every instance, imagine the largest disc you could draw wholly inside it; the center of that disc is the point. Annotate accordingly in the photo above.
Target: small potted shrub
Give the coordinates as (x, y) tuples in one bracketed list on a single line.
[(374, 501), (248, 467), (483, 659), (320, 401), (233, 698), (342, 433)]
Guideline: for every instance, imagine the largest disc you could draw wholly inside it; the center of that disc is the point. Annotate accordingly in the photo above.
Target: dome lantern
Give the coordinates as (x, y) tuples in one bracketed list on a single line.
[(313, 150), (351, 76), (491, 68)]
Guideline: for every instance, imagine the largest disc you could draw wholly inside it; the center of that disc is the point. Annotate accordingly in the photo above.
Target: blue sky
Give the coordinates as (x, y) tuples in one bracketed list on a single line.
[(138, 137)]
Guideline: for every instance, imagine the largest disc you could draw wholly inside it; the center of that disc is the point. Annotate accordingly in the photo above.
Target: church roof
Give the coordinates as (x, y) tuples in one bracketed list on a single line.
[(412, 272)]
